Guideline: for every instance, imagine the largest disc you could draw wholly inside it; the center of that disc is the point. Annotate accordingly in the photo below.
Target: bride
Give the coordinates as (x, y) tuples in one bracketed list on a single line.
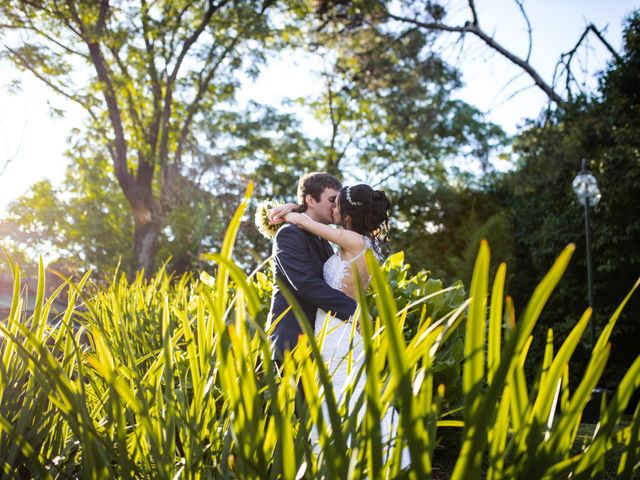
[(364, 214)]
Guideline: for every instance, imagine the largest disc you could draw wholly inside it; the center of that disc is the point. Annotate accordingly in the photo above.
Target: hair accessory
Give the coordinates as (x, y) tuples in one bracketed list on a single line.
[(348, 195)]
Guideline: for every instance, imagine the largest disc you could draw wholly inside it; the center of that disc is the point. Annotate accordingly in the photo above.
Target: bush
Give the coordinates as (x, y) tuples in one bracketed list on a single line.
[(175, 378)]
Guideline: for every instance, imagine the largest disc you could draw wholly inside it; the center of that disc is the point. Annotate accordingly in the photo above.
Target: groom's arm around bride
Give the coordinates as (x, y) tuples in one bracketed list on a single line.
[(298, 258)]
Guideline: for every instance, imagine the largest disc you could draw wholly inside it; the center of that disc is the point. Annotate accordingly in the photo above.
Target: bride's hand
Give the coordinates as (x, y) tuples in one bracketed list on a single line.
[(293, 217), (278, 214)]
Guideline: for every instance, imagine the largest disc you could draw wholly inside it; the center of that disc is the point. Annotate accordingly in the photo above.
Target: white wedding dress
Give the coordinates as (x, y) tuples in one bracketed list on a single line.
[(343, 349)]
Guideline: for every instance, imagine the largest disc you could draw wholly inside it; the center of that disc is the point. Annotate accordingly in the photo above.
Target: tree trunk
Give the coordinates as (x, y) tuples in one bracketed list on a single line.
[(145, 246)]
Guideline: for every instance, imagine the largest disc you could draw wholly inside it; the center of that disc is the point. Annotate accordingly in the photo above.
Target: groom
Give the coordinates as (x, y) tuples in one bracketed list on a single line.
[(298, 257)]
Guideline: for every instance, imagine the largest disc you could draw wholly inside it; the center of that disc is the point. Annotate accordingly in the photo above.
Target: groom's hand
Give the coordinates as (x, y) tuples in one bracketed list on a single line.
[(277, 215)]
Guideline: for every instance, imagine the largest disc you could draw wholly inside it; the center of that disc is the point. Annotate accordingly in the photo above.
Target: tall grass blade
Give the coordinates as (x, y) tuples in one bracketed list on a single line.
[(631, 454), (495, 322), (474, 443), (373, 413), (474, 348), (411, 423), (591, 462), (338, 444)]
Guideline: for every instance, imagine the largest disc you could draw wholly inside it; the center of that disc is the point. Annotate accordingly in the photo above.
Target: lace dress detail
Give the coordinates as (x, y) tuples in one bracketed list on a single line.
[(335, 268), (342, 350)]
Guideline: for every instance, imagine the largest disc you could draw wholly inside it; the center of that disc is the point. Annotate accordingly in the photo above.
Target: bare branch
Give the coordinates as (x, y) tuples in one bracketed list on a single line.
[(607, 45), (431, 25), (514, 94), (567, 57), (477, 31), (509, 82), (11, 158), (529, 30), (573, 51), (474, 14), (80, 100)]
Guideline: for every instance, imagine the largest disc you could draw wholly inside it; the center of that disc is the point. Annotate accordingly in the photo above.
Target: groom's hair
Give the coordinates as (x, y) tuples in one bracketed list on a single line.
[(314, 184)]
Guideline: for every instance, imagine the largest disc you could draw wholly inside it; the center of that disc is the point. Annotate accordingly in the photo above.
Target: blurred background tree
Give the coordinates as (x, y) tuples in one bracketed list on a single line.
[(144, 73), (389, 101), (546, 215)]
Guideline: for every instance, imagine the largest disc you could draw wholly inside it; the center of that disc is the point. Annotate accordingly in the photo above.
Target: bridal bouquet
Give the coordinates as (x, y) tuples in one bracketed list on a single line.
[(265, 227)]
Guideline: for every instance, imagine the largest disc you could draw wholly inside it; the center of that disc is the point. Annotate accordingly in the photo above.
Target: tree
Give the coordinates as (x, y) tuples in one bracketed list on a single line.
[(84, 223), (145, 72), (605, 130), (443, 227), (431, 16), (388, 100)]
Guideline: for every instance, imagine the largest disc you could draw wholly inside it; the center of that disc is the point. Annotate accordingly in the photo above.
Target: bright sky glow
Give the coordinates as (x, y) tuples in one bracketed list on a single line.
[(37, 142)]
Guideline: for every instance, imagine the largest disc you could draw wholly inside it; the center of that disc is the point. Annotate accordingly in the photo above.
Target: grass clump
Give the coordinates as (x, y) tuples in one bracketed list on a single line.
[(174, 378)]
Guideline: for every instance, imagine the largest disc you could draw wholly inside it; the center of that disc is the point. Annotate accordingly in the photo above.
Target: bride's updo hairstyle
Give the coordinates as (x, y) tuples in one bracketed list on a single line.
[(368, 208)]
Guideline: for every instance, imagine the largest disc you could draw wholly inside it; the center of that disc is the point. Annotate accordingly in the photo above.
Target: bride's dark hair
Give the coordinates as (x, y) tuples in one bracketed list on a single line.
[(369, 211)]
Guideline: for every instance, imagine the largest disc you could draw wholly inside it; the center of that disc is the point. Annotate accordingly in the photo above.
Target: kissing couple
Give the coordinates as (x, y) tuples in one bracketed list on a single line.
[(322, 281)]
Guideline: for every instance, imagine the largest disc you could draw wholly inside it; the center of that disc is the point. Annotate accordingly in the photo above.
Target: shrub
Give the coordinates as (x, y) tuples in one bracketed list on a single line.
[(164, 379)]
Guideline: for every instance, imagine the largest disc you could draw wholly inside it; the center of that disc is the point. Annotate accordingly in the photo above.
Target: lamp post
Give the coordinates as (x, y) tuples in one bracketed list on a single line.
[(586, 188)]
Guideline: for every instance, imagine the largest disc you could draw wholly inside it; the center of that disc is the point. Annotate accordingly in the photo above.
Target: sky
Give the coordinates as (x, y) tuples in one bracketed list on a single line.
[(36, 143)]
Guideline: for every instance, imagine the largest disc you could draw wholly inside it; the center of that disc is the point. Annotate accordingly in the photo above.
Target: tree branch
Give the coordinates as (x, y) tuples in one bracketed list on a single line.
[(61, 16), (120, 158), (332, 115), (131, 104), (156, 87), (80, 100), (49, 38), (211, 8), (166, 53), (202, 87), (546, 88), (102, 17), (607, 45), (529, 30), (567, 57), (474, 14), (168, 99), (341, 155), (11, 158), (477, 31)]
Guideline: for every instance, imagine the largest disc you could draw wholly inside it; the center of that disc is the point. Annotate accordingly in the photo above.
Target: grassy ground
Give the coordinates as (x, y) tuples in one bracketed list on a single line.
[(445, 455), (612, 458)]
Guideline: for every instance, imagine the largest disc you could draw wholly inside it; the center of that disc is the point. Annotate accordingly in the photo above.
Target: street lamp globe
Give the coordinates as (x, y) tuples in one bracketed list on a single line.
[(586, 187)]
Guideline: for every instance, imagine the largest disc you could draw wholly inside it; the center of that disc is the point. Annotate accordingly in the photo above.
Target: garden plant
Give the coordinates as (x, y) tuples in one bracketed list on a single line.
[(174, 378)]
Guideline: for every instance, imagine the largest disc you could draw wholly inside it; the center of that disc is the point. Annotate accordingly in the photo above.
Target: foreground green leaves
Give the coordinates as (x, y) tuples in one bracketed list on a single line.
[(174, 378)]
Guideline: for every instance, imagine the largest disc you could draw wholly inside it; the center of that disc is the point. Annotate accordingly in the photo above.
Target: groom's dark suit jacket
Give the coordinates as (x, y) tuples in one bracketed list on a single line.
[(298, 258)]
